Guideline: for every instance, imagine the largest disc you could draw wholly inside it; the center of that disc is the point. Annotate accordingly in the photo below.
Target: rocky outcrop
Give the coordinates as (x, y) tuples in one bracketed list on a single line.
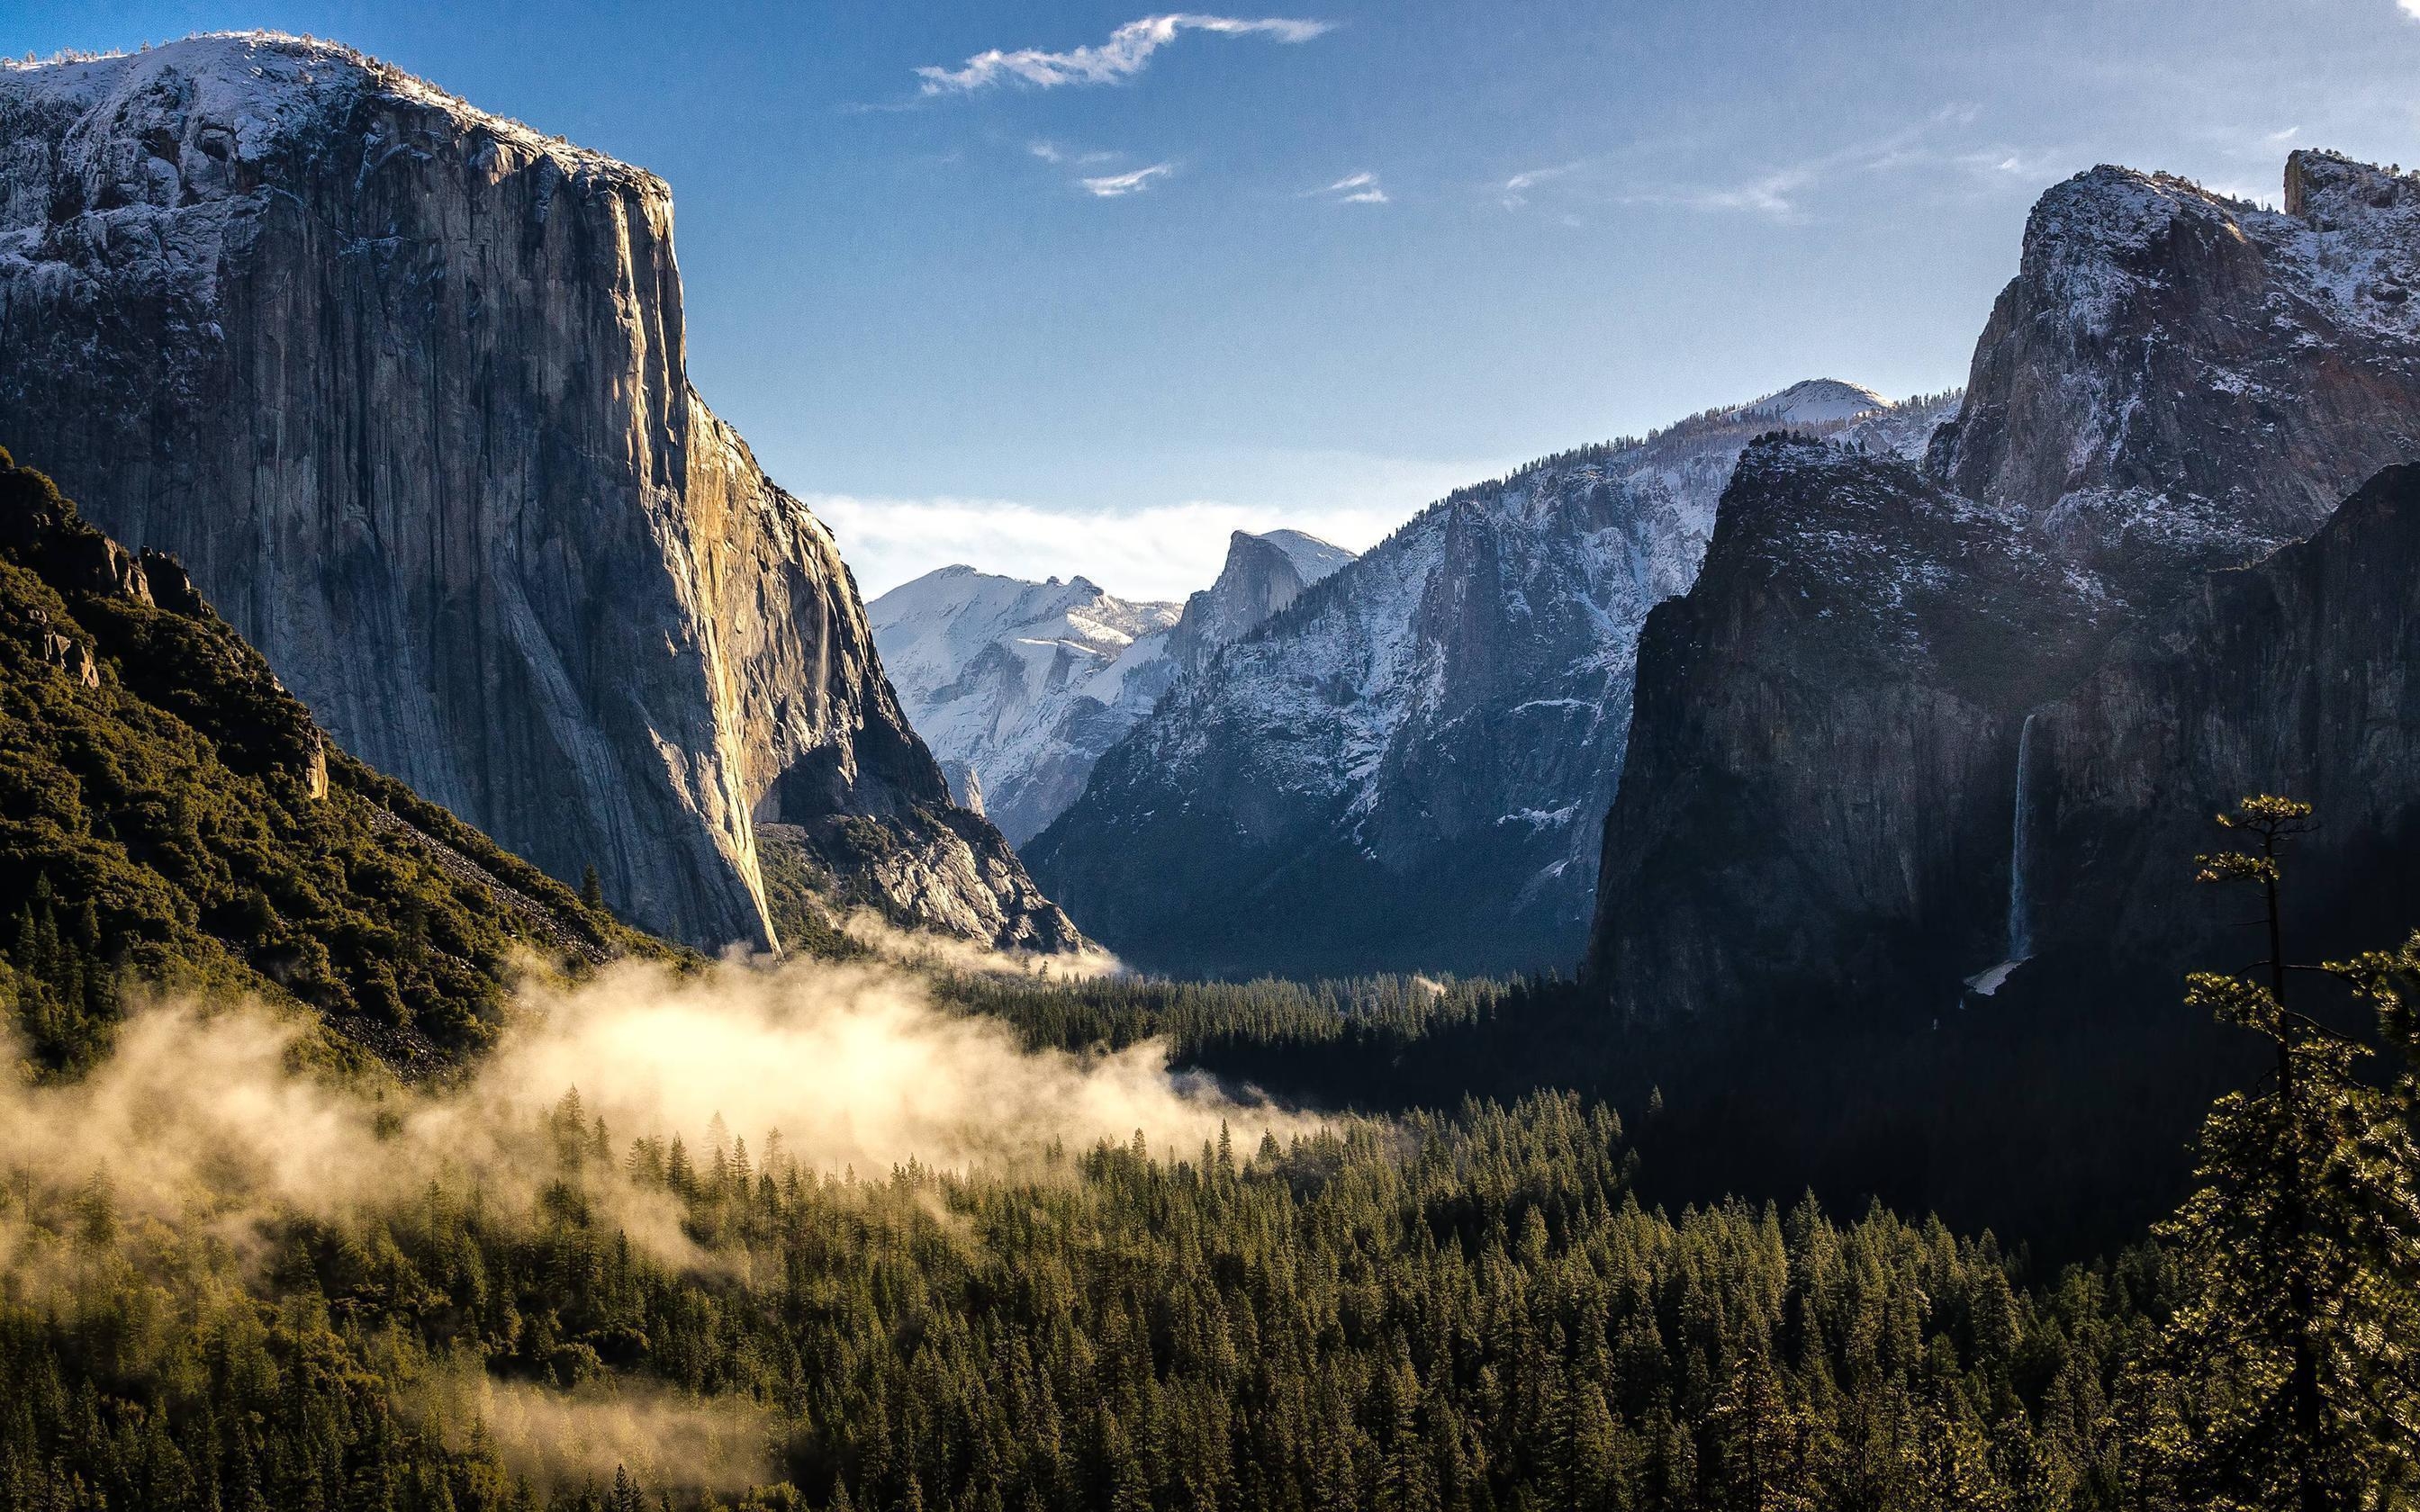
[(1815, 813), (1405, 767), (1261, 575), (2175, 382), (403, 384), (1823, 731)]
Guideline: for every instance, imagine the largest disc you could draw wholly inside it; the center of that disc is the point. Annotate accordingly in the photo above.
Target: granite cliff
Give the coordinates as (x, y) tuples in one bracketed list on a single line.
[(1822, 804), (403, 384)]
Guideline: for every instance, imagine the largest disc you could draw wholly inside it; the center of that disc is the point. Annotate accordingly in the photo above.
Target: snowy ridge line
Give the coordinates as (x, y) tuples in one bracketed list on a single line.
[(1923, 411), (242, 65)]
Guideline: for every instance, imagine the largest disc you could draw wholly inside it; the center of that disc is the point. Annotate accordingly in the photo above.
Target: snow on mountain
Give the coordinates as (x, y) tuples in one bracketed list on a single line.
[(1312, 558), (1817, 402), (1406, 766), (1019, 686), (1820, 805)]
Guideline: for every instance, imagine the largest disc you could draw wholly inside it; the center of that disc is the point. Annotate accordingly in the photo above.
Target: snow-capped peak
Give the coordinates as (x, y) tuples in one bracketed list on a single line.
[(246, 92), (1815, 402)]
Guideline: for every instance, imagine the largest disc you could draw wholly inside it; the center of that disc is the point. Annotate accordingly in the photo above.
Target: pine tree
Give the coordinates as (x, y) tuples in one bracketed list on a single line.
[(2287, 1378)]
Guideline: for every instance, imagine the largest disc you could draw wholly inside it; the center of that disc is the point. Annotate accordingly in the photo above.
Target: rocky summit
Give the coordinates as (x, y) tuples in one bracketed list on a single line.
[(403, 384)]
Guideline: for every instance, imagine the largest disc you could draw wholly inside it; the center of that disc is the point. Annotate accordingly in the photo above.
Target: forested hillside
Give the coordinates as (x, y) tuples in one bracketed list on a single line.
[(168, 811), (1457, 1312)]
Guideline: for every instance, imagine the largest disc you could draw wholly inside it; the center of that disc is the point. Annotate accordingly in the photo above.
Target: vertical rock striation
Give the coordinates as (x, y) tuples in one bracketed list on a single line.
[(403, 383)]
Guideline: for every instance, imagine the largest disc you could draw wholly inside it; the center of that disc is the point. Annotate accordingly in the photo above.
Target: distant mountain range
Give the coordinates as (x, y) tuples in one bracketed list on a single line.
[(1019, 687), (1407, 766)]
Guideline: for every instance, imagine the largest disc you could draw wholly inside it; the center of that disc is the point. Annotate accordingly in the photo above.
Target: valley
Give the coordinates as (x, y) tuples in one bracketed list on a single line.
[(1842, 951)]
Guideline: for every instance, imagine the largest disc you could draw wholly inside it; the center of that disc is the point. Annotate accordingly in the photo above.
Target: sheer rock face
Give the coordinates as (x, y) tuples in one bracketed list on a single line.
[(1405, 767), (403, 384), (2173, 383), (2294, 675), (1823, 731), (2176, 380)]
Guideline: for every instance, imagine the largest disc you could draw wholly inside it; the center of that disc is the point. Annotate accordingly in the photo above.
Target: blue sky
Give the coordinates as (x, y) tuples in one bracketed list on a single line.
[(1088, 310)]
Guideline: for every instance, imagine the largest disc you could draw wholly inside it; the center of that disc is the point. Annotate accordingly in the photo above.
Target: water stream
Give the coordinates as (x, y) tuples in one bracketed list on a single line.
[(2021, 922)]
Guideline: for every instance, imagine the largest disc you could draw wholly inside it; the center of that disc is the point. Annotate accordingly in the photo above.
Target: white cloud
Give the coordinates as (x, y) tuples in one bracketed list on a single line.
[(1768, 195), (1115, 184), (1354, 188), (1165, 552), (1517, 188), (1778, 192), (2412, 8), (1122, 56)]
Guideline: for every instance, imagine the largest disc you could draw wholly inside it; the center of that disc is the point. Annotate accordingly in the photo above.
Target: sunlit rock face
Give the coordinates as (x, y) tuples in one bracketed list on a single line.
[(403, 384)]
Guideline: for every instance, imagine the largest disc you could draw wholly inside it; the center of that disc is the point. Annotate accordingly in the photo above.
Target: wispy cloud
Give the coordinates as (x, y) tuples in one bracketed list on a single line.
[(2410, 8), (1049, 151), (1517, 188), (1352, 189), (1111, 186), (1124, 55), (1778, 192), (1768, 195)]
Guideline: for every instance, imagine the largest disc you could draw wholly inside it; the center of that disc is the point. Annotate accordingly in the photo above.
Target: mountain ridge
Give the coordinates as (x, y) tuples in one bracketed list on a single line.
[(2173, 384), (1437, 722), (1023, 685)]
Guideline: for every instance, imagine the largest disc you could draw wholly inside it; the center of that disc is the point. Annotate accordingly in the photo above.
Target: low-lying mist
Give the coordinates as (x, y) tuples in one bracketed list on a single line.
[(212, 1124)]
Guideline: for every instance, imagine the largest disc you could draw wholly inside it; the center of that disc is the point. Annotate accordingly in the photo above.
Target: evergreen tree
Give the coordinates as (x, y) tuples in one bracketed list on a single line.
[(2287, 1373)]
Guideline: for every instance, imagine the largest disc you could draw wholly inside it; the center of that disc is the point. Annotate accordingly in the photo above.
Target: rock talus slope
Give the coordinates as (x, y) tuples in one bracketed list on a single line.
[(404, 384)]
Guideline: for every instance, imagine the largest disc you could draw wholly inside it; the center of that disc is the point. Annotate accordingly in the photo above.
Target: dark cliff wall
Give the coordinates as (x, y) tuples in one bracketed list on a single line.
[(1822, 737), (2299, 674), (1818, 804)]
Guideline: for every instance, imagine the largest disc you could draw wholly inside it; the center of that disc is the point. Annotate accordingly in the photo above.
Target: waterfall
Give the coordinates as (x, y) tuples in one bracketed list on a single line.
[(2021, 923)]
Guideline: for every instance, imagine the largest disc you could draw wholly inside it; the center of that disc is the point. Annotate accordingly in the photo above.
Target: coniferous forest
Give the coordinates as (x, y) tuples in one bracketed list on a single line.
[(1438, 1301), (1700, 975)]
